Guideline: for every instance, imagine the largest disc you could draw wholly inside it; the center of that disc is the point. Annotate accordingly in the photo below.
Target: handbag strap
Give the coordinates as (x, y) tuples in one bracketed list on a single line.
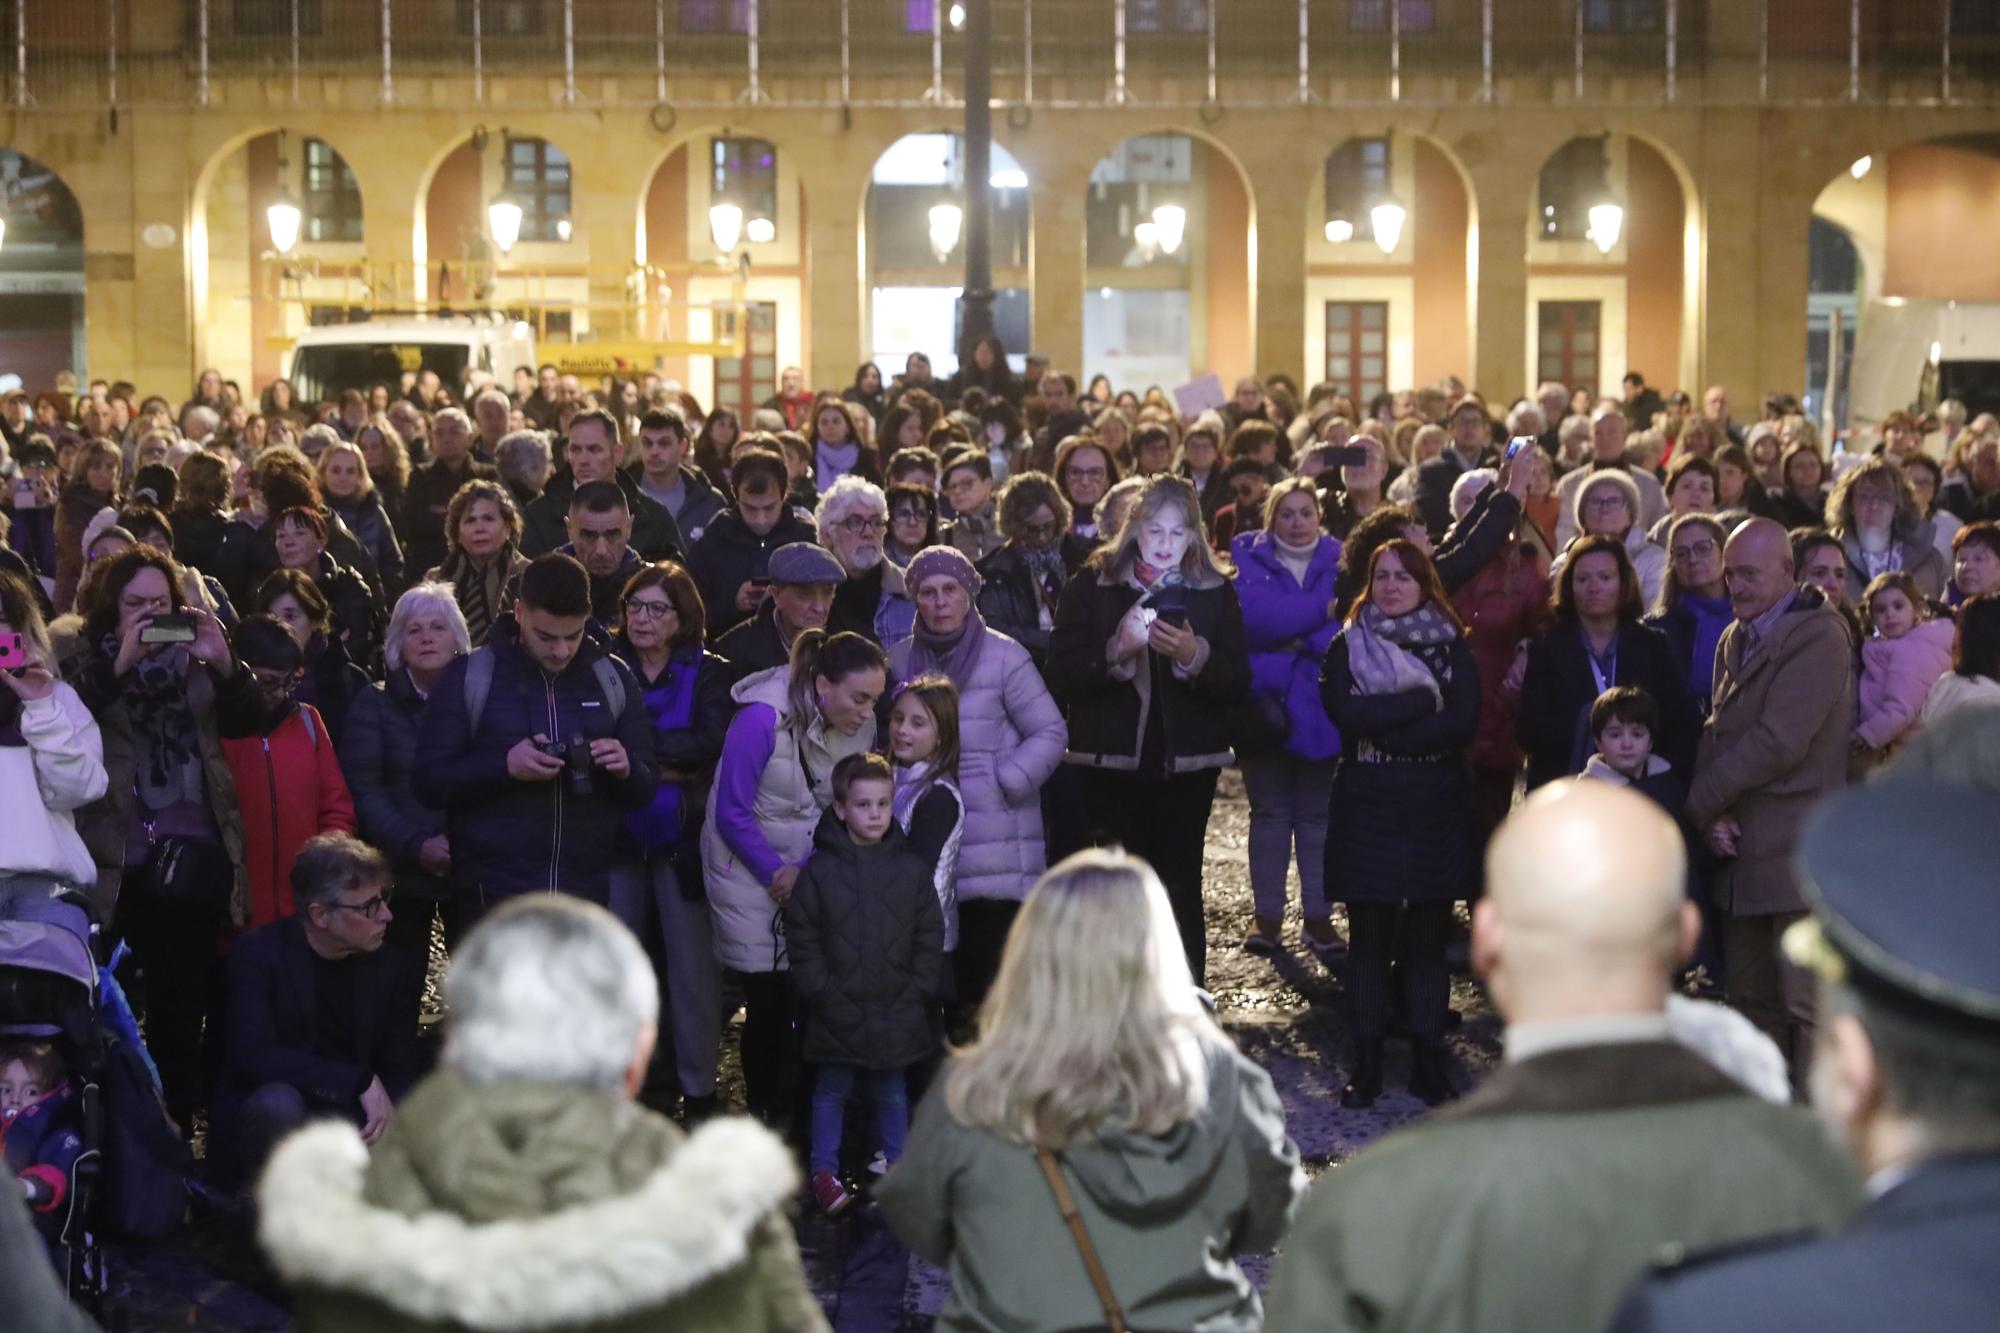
[(1114, 1318)]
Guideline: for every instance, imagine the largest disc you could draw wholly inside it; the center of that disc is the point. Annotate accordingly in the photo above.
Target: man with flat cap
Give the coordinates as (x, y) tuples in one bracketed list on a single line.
[(1906, 1073), (1533, 1204), (803, 576)]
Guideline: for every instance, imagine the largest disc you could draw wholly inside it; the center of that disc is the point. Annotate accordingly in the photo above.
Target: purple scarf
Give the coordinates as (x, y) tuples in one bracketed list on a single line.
[(954, 656)]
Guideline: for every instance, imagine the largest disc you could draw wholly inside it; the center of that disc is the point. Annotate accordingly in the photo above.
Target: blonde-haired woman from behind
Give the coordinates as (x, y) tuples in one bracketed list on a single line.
[(1095, 1046)]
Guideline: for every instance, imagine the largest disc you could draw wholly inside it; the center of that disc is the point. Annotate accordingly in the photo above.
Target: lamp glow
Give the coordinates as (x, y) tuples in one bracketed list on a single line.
[(1171, 220), (1005, 179), (761, 231), (946, 220), (283, 216), (725, 225), (1388, 218), (1861, 166), (1606, 221), (503, 218), (3, 231), (956, 17), (564, 229), (1147, 237), (1339, 231)]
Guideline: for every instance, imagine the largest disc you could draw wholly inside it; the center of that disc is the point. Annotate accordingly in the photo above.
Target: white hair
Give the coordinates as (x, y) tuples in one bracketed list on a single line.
[(1575, 429), (1465, 491), (435, 597), (322, 433), (202, 421), (1525, 411), (1551, 389), (519, 448), (455, 414), (549, 989), (850, 495)]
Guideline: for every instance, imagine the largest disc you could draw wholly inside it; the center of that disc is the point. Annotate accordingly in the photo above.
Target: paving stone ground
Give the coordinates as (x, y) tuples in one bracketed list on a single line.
[(1284, 1012)]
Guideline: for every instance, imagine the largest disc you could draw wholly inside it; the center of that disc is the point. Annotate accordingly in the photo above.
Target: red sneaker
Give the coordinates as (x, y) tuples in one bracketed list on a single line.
[(831, 1196)]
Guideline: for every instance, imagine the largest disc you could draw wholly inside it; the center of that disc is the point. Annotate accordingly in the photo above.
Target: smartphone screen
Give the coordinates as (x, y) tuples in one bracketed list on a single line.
[(1518, 443)]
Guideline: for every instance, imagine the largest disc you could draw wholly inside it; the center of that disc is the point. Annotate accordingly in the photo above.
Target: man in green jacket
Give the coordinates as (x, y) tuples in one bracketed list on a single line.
[(1598, 1144), (521, 1187)]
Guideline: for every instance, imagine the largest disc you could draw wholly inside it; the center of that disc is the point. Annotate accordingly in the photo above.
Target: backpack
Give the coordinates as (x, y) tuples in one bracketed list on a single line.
[(479, 684)]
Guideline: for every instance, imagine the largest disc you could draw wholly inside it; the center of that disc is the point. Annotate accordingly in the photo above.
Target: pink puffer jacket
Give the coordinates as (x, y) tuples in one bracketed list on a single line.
[(1896, 674)]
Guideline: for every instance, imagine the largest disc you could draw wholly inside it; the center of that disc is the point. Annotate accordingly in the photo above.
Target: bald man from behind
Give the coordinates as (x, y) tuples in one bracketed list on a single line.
[(1597, 1145)]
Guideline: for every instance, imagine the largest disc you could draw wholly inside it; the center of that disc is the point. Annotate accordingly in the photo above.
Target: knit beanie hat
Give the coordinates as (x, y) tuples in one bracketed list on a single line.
[(935, 560)]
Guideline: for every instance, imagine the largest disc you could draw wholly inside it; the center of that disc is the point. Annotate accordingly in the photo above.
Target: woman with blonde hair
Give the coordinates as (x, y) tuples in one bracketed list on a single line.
[(1097, 1076), (386, 456), (1149, 657), (350, 492)]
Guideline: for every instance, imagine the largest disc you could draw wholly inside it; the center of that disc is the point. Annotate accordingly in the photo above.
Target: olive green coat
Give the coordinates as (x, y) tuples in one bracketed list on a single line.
[(525, 1206), (1532, 1205)]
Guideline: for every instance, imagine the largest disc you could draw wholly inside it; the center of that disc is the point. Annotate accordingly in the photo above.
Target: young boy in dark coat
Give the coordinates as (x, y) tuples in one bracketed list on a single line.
[(1623, 721), (865, 937)]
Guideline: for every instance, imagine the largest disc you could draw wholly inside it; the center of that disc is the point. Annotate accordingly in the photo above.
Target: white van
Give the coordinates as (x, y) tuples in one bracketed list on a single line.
[(1915, 354), (330, 358)]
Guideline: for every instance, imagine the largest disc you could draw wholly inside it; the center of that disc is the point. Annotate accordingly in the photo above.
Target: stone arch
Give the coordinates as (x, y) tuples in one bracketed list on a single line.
[(41, 272), (454, 186)]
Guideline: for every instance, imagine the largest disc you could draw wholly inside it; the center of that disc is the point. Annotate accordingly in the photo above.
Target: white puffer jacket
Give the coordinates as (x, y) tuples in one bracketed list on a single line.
[(59, 770)]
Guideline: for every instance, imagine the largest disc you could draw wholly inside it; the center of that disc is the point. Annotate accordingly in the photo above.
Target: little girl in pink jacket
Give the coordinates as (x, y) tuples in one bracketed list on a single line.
[(1900, 662)]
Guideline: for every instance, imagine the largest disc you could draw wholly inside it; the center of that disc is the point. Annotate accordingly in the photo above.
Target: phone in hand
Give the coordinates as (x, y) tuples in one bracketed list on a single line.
[(26, 495), (13, 650), (1518, 443), (1344, 455), (1174, 615), (171, 627)]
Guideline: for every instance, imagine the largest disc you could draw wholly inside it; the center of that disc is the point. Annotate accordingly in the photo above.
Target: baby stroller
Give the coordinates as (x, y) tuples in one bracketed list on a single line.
[(49, 992)]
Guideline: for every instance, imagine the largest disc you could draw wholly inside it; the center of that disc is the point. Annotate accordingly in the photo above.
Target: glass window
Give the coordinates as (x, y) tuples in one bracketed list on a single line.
[(538, 175), (1355, 346), (1575, 177), (715, 15), (745, 172), (1151, 16), (272, 18), (333, 199), (1357, 178), (1126, 187), (1373, 15), (1620, 16), (500, 18)]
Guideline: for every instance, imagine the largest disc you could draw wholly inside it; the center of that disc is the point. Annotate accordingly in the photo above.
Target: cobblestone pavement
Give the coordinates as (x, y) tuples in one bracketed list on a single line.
[(1284, 1012)]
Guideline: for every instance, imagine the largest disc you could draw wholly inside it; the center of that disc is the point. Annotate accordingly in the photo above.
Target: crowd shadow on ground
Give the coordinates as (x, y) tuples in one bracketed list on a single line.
[(1285, 1012)]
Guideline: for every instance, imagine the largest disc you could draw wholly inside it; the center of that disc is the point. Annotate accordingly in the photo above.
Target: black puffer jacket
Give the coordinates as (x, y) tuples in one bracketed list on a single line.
[(1110, 712), (378, 754), (729, 555), (545, 524), (1009, 600), (510, 837), (368, 519), (865, 937)]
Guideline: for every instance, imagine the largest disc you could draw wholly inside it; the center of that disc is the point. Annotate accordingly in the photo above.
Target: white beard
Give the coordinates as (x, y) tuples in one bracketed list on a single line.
[(864, 559)]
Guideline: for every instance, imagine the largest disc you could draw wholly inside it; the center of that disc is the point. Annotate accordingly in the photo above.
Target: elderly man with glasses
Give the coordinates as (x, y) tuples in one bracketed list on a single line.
[(321, 1012), (853, 519)]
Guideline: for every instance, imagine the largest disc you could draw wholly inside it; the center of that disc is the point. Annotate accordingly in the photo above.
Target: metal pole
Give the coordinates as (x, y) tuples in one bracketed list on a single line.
[(1764, 54), (660, 50), (388, 61), (1579, 51), (478, 51), (20, 55), (295, 52), (1395, 50), (937, 52), (1835, 373), (1854, 50), (569, 50), (976, 319), (1673, 49), (846, 56), (1944, 69), (1305, 52), (201, 49), (1028, 53), (1486, 50), (1118, 51), (111, 56), (756, 75)]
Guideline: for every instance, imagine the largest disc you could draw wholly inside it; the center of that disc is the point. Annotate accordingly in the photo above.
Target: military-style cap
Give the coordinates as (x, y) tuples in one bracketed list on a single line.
[(803, 562), (1904, 889)]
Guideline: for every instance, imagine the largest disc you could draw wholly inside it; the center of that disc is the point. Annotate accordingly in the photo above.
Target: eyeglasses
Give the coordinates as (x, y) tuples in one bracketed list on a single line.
[(1701, 550), (910, 516), (648, 610), (1603, 502), (860, 524), (372, 908), (1041, 532)]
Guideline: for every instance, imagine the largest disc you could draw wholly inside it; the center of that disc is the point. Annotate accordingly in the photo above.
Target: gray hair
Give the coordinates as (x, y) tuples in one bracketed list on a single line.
[(453, 414), (437, 597), (1575, 429), (767, 419), (549, 989), (202, 421), (1465, 491), (332, 864), (518, 449), (850, 495), (321, 434), (1522, 413)]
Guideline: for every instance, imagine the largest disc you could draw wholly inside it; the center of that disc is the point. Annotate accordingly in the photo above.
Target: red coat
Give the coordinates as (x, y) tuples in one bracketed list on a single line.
[(1506, 602), (288, 789)]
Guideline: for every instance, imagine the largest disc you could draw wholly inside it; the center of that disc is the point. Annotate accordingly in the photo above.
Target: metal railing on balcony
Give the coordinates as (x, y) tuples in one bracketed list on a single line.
[(75, 54)]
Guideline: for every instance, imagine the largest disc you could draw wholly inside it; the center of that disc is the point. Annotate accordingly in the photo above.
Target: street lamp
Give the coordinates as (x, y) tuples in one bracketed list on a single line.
[(1861, 166), (1606, 220), (1388, 218), (761, 230), (725, 225), (1171, 222), (503, 218), (284, 217), (946, 219), (1339, 231)]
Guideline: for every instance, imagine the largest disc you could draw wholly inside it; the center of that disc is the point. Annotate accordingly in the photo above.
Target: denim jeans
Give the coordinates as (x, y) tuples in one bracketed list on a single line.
[(1289, 799), (887, 1088)]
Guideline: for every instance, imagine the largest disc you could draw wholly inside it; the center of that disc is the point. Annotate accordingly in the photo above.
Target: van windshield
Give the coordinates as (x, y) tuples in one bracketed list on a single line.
[(320, 372), (1974, 383)]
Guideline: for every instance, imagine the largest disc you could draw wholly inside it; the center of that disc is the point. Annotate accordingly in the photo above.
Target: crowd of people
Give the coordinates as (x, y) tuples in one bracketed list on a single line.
[(643, 714)]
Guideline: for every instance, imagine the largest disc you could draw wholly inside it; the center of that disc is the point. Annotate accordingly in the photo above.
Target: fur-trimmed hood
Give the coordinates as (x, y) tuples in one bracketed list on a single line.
[(693, 1219)]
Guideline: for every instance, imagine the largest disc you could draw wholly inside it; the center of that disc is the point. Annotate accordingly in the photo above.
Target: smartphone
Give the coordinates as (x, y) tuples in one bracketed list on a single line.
[(1175, 616), (172, 627), (1518, 443), (25, 494), (1344, 455), (13, 650)]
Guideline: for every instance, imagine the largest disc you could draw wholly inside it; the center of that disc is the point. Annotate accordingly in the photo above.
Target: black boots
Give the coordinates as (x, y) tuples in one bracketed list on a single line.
[(1430, 1074), (1364, 1085)]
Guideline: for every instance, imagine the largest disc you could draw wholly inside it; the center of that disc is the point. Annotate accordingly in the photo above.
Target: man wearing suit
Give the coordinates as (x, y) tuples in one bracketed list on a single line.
[(1906, 1072), (1774, 745), (319, 1010), (1471, 446), (1535, 1202)]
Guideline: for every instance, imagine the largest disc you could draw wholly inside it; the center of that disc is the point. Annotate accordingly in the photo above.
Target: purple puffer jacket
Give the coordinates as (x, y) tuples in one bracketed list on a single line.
[(1011, 737), (1288, 628)]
